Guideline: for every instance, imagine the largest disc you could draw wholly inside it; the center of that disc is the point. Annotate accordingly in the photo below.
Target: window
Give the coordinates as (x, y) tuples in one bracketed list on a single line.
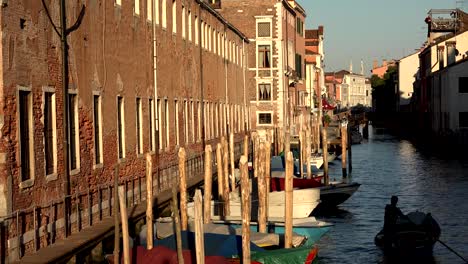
[(174, 16), (166, 121), (299, 65), (202, 28), (463, 84), (264, 92), (199, 120), (121, 127), (196, 30), (205, 31), (463, 119), (137, 7), (209, 37), (176, 116), (26, 135), (440, 55), (139, 127), (189, 25), (160, 131), (118, 2), (73, 132), (192, 115), (299, 26), (186, 122), (164, 13), (219, 44), (97, 129), (156, 11), (152, 129), (183, 22), (149, 11), (214, 40), (264, 118), (451, 52), (263, 29), (50, 133), (264, 56)]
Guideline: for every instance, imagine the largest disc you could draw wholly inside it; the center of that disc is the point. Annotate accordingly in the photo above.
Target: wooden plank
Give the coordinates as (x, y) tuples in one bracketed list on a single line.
[(124, 218), (288, 211), (149, 202), (183, 189), (262, 192)]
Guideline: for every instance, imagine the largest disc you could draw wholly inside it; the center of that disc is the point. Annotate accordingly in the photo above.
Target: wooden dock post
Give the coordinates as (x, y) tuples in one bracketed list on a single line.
[(301, 153), (308, 153), (245, 189), (231, 160), (267, 167), (325, 156), (246, 146), (349, 142), (287, 144), (227, 210), (199, 233), (149, 202), (208, 185), (175, 213), (116, 215), (262, 192), (124, 218), (219, 161), (288, 211), (183, 189), (344, 136), (255, 153)]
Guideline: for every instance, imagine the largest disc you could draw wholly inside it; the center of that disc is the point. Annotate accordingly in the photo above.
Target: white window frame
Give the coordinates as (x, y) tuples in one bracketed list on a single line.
[(197, 27), (264, 112), (164, 13), (29, 182), (149, 10), (136, 8), (47, 89), (186, 122), (264, 81), (77, 133), (118, 2), (183, 22), (174, 16), (156, 11), (192, 114), (166, 122), (121, 108), (152, 125), (176, 115), (190, 25), (98, 163), (199, 120), (264, 19), (139, 130), (160, 131)]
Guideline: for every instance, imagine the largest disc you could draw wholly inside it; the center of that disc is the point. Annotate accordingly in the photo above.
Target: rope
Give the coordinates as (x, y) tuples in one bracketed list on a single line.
[(449, 248)]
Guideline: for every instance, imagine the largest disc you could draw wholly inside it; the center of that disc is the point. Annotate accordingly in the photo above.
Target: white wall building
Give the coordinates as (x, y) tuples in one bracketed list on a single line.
[(407, 69)]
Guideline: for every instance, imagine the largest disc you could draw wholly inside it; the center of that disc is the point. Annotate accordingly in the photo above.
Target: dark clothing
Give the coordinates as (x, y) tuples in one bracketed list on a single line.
[(392, 213)]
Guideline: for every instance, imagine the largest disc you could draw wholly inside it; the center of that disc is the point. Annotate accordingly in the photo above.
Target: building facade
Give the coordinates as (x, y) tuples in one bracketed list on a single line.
[(146, 77), (275, 60), (353, 88), (407, 69), (315, 56)]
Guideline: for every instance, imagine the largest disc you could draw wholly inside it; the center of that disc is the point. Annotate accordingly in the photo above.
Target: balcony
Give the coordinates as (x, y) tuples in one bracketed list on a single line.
[(443, 20)]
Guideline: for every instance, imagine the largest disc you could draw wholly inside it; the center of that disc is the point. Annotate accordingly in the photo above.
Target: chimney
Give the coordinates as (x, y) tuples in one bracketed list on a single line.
[(375, 64)]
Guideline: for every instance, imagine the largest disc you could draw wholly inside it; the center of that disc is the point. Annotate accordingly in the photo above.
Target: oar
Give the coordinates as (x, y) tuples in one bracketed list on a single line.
[(449, 248)]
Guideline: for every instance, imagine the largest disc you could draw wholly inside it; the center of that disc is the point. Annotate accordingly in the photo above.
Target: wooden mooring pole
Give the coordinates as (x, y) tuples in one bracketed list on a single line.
[(176, 222), (116, 215), (344, 136), (199, 233), (350, 153), (226, 190), (208, 185), (219, 163), (262, 192), (149, 202), (288, 211), (231, 160), (308, 153), (183, 189), (124, 219), (245, 189), (325, 156)]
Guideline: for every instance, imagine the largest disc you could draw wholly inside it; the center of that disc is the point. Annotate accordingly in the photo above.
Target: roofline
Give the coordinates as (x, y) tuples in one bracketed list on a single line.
[(300, 9), (287, 5), (450, 66), (208, 8)]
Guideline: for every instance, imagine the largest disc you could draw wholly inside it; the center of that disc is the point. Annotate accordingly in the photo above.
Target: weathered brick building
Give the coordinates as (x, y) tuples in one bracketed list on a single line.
[(276, 69), (190, 79)]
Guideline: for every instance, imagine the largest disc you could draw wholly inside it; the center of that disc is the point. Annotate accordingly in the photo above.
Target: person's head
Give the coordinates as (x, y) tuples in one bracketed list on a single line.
[(394, 200)]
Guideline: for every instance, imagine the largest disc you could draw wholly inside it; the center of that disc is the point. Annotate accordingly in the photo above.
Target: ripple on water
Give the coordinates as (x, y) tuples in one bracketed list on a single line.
[(387, 166)]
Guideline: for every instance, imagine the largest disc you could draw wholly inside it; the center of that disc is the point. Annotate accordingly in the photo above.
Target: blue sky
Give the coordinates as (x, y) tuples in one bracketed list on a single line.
[(371, 29)]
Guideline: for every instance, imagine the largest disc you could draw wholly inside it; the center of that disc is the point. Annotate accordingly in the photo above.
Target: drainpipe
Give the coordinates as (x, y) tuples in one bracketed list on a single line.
[(201, 77), (66, 173), (155, 84)]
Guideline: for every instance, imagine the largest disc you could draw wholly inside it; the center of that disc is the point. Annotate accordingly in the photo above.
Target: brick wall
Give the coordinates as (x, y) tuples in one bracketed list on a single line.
[(110, 54)]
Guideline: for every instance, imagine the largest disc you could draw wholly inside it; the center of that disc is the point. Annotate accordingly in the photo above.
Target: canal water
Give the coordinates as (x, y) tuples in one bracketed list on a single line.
[(424, 181)]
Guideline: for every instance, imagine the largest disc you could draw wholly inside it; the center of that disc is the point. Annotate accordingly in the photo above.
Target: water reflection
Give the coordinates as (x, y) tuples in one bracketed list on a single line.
[(387, 166)]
